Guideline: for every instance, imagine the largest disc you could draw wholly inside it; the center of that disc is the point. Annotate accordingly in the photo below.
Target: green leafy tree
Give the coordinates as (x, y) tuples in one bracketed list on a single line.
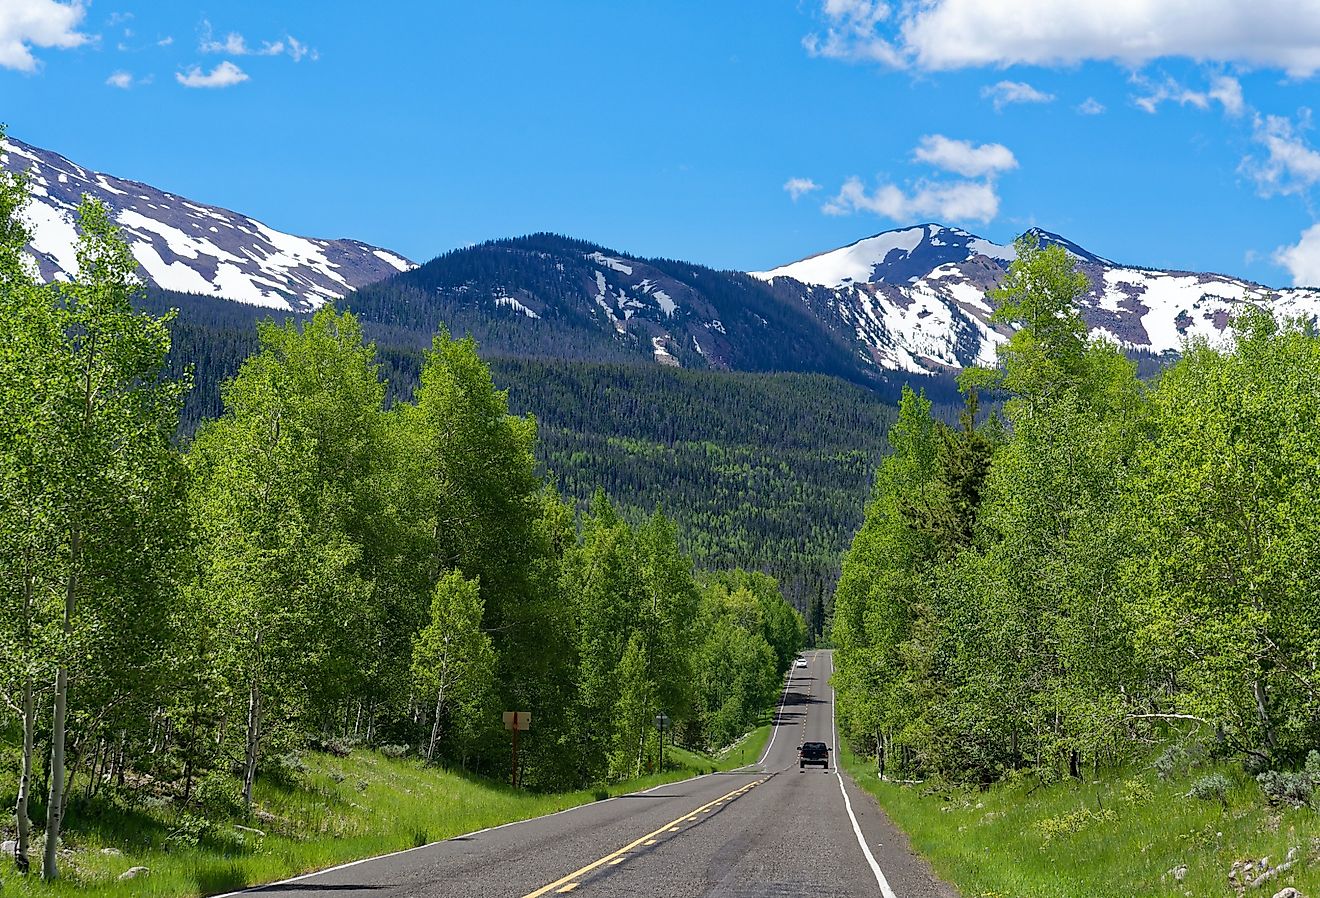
[(1227, 517), (452, 658), (112, 416)]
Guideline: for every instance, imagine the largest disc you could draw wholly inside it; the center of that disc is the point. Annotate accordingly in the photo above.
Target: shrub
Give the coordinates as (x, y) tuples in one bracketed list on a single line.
[(394, 751), (334, 745), (1136, 792), (219, 795), (1211, 788), (1053, 827), (1287, 787), (1179, 758), (286, 769)]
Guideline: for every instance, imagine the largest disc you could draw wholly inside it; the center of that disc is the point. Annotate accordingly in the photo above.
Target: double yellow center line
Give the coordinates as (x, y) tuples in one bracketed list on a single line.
[(569, 883)]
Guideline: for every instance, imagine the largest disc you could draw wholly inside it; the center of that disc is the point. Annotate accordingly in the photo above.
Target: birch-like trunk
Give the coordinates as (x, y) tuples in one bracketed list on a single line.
[(21, 859), (29, 711), (253, 739), (55, 807), (435, 725)]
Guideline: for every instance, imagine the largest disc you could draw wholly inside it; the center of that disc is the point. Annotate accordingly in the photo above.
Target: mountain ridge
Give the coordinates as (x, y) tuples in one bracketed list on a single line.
[(902, 303), (187, 246)]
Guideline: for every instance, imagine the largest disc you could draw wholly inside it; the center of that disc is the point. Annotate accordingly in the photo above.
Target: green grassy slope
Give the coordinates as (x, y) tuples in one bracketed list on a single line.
[(1118, 835), (340, 809)]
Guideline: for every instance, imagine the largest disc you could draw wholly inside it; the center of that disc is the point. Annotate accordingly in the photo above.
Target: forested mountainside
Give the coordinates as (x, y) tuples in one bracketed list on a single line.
[(317, 565), (766, 471), (548, 296)]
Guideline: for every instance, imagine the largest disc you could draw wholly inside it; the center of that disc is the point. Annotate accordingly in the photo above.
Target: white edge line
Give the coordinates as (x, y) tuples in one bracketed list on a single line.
[(779, 712), (774, 729), (476, 832), (857, 830)]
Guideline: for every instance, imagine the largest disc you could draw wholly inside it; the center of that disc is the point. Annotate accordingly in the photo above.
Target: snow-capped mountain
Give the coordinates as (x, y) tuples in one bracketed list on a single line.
[(550, 296), (190, 247), (914, 299)]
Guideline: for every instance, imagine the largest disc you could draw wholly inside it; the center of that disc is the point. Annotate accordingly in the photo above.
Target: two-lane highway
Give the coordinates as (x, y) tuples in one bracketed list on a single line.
[(767, 829)]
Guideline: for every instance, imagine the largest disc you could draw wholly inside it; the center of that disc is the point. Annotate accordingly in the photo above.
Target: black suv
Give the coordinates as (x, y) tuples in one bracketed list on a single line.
[(813, 753)]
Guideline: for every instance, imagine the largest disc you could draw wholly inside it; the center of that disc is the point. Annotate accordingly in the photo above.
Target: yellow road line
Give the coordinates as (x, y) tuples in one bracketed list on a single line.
[(570, 887), (610, 858)]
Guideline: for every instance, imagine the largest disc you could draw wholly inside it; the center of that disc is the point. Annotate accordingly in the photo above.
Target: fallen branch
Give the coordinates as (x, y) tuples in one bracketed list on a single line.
[(1191, 717)]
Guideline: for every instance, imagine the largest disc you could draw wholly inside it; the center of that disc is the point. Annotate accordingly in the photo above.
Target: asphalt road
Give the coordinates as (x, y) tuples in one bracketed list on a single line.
[(766, 830)]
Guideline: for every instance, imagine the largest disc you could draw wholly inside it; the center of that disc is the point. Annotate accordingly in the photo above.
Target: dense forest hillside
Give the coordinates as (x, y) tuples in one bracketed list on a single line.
[(767, 471)]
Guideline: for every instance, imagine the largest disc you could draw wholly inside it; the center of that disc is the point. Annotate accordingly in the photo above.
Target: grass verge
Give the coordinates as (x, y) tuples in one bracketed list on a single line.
[(342, 809), (1121, 835)]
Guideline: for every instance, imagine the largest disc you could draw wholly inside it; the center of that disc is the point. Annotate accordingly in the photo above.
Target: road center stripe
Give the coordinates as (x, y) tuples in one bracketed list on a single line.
[(611, 857)]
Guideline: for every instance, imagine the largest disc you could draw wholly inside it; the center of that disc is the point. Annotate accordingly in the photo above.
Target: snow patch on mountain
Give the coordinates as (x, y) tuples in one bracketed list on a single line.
[(188, 246), (915, 298)]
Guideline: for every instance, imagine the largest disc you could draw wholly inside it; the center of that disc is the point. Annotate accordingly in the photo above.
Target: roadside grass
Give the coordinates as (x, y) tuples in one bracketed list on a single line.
[(342, 809), (1116, 836)]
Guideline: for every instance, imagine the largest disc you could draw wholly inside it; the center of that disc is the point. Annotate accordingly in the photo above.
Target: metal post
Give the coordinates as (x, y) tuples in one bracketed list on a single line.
[(515, 750)]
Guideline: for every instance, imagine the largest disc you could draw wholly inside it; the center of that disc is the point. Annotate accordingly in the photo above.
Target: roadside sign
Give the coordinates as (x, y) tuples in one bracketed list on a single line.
[(517, 720), (661, 721)]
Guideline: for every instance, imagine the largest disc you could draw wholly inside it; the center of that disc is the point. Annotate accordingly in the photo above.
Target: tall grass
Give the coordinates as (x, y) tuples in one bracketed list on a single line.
[(1120, 835), (341, 809)]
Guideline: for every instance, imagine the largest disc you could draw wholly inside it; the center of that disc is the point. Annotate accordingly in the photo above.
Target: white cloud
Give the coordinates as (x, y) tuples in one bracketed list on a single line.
[(1303, 260), (121, 80), (235, 44), (1223, 89), (1228, 91), (225, 74), (1006, 92), (165, 41), (852, 33), (37, 23), (1291, 166), (952, 34), (944, 201), (798, 187), (1091, 106), (297, 50), (961, 157)]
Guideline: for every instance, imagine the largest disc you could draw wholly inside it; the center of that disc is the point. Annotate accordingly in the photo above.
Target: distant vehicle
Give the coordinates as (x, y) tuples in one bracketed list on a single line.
[(817, 753), (801, 662)]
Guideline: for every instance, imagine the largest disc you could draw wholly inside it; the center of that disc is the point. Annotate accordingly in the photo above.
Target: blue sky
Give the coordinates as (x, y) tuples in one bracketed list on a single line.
[(740, 135)]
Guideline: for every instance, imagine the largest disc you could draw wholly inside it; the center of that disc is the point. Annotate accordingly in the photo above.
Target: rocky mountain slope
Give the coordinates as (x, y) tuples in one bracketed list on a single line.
[(547, 296), (905, 302), (914, 298), (187, 246)]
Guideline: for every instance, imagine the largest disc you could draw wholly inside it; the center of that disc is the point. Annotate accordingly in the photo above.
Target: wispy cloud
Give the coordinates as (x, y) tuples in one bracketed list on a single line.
[(235, 44), (1223, 89), (963, 158), (945, 201), (852, 33), (226, 74), (954, 34), (125, 80), (1290, 166), (25, 24), (1091, 106), (973, 199), (1007, 92), (800, 187)]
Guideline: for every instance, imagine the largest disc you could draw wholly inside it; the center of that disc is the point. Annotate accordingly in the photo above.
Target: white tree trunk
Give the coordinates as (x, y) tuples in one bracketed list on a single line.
[(435, 725), (25, 777), (55, 808), (253, 739)]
